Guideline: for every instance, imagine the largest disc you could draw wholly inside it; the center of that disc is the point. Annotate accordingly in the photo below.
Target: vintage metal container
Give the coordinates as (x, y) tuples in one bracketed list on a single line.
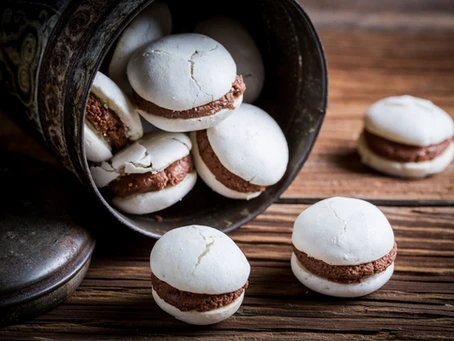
[(51, 50)]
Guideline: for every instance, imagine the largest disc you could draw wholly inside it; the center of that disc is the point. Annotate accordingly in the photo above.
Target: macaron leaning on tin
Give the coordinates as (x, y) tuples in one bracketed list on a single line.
[(185, 82), (243, 155), (343, 247), (198, 274), (408, 137), (111, 121), (149, 175)]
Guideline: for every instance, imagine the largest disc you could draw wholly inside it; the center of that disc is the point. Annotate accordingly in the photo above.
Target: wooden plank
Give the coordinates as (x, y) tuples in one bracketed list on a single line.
[(381, 15), (393, 65), (115, 301)]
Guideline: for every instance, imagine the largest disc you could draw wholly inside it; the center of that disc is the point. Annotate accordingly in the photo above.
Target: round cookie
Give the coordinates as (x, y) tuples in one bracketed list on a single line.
[(185, 82), (406, 136), (149, 175), (111, 121), (152, 23), (199, 275), (343, 247), (237, 40), (242, 155)]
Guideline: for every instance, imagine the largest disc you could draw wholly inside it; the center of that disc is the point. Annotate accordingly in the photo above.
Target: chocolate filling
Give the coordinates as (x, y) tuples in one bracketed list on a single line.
[(107, 122), (345, 273), (402, 152), (186, 301), (149, 182), (225, 102), (222, 174)]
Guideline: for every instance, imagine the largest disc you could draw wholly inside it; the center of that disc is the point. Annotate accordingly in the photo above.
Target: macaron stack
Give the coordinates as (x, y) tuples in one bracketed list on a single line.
[(181, 83)]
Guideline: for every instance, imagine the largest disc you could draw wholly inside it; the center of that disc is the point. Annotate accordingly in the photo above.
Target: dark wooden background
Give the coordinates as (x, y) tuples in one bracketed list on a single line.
[(374, 49)]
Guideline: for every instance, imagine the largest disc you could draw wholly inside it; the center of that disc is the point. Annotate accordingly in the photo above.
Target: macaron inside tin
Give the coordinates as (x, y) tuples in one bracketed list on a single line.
[(152, 23), (243, 155), (185, 82), (237, 40), (343, 247), (111, 121), (149, 175), (198, 274), (406, 136)]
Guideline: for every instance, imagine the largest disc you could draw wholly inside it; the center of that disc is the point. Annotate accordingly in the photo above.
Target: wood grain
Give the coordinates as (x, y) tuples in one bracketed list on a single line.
[(114, 300)]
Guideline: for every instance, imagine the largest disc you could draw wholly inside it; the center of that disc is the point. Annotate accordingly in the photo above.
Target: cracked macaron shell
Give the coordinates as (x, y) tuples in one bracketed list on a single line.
[(152, 23), (152, 153), (409, 120), (199, 259), (237, 40), (343, 231), (182, 71)]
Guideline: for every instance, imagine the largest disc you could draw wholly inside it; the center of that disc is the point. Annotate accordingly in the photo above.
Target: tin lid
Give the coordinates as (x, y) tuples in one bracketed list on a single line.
[(44, 251)]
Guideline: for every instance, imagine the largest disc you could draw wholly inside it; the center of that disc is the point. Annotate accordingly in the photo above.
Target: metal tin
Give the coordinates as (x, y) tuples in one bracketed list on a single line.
[(50, 52)]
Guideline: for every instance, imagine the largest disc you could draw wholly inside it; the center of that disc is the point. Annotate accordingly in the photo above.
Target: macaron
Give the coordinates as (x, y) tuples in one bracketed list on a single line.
[(237, 40), (149, 175), (185, 82), (152, 23), (407, 137), (111, 120), (198, 274), (343, 247), (243, 155)]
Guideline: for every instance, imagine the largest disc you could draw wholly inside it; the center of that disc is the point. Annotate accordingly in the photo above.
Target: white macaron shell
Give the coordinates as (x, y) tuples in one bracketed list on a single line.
[(189, 124), (149, 202), (343, 231), (114, 98), (200, 317), (409, 120), (237, 40), (199, 259), (251, 145), (182, 71), (323, 286), (96, 147), (153, 153), (152, 23), (412, 170), (211, 180)]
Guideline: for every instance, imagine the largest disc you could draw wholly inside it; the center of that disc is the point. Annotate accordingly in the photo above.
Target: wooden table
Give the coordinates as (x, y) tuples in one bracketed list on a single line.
[(114, 301)]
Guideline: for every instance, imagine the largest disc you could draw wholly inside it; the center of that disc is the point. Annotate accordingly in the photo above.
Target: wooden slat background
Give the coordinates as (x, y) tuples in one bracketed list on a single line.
[(367, 60)]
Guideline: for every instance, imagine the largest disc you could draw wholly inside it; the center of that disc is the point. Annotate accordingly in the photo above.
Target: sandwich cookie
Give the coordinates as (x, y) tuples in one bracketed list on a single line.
[(149, 175), (111, 121), (343, 247), (406, 136), (242, 155), (152, 23), (198, 274), (185, 82), (237, 40)]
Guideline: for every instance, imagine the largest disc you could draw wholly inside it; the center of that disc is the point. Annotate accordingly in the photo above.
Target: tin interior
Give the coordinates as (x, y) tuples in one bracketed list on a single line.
[(294, 93)]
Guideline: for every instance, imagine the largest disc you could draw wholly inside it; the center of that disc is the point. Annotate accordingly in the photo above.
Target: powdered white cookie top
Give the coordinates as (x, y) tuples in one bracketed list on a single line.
[(182, 71), (251, 144), (409, 120), (199, 259), (153, 153), (152, 23), (343, 231)]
